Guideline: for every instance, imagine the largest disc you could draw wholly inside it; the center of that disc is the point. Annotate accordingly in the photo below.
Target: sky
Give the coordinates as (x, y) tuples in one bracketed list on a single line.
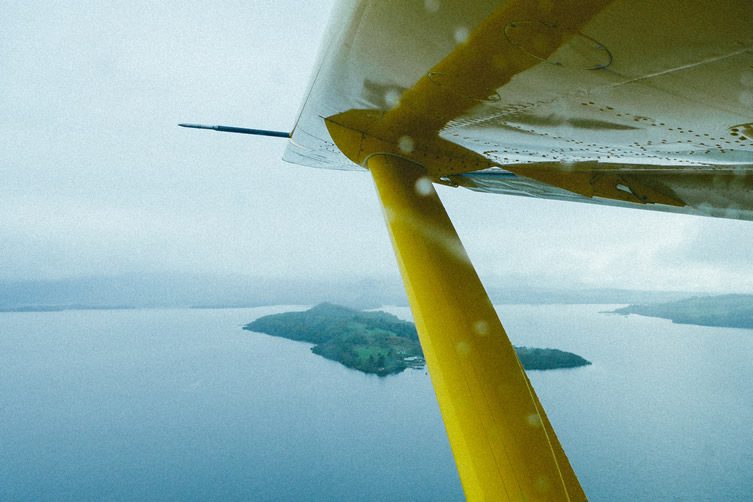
[(97, 179)]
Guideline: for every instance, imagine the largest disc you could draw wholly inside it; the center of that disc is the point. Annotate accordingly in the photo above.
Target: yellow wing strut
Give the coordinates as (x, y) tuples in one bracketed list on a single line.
[(503, 443)]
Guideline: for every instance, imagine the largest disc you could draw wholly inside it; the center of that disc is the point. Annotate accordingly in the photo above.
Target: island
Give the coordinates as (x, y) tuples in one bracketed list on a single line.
[(377, 342), (725, 311)]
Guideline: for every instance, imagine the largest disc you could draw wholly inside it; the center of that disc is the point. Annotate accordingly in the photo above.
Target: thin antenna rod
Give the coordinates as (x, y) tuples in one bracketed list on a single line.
[(239, 130)]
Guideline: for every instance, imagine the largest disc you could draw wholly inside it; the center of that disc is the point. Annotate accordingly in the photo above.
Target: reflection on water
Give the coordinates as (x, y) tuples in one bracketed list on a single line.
[(175, 404)]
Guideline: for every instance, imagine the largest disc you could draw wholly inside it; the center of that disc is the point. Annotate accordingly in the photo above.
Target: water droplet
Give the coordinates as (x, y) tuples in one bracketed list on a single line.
[(732, 213), (392, 98), (461, 34), (568, 165), (705, 208), (463, 348), (406, 144), (534, 420), (424, 187), (431, 5), (481, 327)]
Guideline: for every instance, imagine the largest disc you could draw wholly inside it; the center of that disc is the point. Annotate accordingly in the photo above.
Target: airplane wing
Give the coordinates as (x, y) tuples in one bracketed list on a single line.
[(624, 102), (632, 103)]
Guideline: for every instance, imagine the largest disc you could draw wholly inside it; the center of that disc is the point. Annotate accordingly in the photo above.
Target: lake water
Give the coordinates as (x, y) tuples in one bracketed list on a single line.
[(183, 404)]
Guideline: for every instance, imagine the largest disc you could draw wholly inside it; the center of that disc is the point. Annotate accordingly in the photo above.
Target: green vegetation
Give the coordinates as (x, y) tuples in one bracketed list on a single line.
[(548, 359), (377, 342), (372, 342), (727, 311)]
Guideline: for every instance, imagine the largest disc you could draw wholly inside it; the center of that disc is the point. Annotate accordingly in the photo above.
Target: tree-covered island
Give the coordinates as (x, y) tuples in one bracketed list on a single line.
[(726, 311), (377, 342)]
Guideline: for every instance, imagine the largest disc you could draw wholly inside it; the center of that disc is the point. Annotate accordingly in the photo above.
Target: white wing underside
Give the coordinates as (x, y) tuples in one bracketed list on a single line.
[(647, 97)]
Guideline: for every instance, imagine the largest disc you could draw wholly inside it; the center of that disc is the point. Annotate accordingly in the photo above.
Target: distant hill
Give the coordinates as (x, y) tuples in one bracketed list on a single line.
[(223, 291), (541, 296), (191, 290), (727, 311), (377, 342)]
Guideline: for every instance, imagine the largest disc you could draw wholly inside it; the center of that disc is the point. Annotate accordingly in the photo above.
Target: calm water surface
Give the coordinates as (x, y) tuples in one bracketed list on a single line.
[(183, 404)]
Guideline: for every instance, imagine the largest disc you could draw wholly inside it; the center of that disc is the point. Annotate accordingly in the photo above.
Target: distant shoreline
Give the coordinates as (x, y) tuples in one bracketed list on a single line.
[(724, 311), (64, 308)]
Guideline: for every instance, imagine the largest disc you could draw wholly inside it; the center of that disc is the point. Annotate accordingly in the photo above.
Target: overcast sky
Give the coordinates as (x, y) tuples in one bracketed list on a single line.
[(97, 179)]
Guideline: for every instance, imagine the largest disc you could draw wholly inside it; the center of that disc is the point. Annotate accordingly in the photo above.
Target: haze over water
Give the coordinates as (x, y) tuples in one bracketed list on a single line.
[(177, 404)]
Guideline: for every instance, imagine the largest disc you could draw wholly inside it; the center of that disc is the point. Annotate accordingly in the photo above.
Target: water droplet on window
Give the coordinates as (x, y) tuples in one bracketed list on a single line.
[(705, 208), (431, 5), (481, 327), (424, 187), (534, 420), (406, 144), (463, 348), (461, 34), (392, 98), (732, 213)]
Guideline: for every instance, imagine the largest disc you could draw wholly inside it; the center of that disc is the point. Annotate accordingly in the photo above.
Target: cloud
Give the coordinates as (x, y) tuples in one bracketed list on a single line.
[(97, 178), (559, 243)]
